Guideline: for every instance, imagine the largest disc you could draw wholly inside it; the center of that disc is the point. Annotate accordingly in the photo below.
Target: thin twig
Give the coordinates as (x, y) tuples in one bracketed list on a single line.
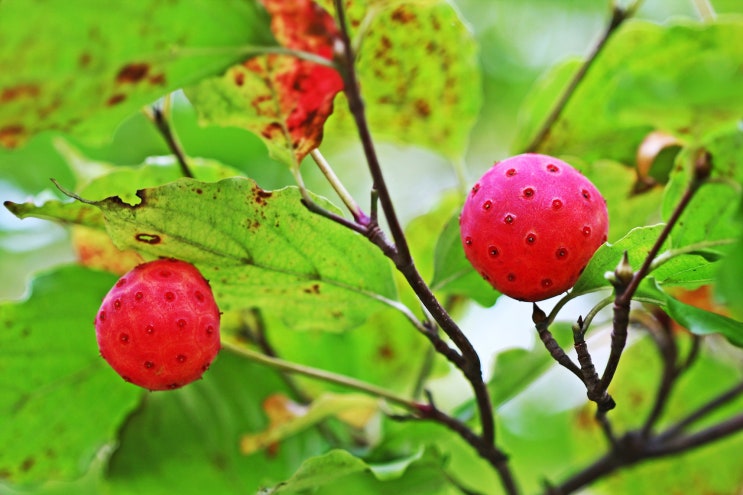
[(558, 354), (159, 118), (618, 16), (358, 215), (714, 404), (626, 284), (319, 374)]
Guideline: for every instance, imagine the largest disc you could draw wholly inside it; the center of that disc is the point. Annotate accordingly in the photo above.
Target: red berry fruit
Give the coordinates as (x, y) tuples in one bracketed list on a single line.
[(531, 224), (158, 327)]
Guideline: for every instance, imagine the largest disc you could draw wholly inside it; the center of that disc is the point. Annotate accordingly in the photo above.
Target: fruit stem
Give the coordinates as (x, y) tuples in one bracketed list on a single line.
[(358, 215), (240, 349)]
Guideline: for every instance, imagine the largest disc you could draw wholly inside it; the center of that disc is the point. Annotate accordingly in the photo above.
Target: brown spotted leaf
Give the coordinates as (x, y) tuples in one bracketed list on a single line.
[(259, 249), (419, 74), (81, 68), (282, 98)]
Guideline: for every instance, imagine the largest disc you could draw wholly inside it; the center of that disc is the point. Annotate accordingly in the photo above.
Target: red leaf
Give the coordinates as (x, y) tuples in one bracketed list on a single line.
[(301, 92)]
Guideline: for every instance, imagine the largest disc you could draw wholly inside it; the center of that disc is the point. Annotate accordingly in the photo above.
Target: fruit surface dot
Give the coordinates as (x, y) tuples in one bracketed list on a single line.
[(556, 204), (169, 296), (149, 329), (199, 296), (121, 282), (138, 296), (124, 338), (493, 251), (546, 283), (508, 219), (102, 316), (528, 192), (531, 238), (468, 241), (510, 172), (149, 364), (181, 358), (586, 194), (552, 168), (487, 204), (181, 323), (511, 277), (586, 231), (562, 253), (117, 304)]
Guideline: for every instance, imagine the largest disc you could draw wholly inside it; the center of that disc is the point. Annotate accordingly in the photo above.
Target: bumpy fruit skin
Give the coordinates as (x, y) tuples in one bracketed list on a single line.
[(158, 327), (530, 225)]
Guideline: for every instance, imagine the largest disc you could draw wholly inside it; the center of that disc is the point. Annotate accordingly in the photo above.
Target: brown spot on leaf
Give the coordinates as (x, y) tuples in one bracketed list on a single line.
[(11, 136), (272, 130), (115, 99), (132, 73), (315, 289), (27, 464), (386, 352), (239, 78), (403, 15), (18, 91), (260, 197), (84, 59), (157, 79), (422, 108), (148, 238)]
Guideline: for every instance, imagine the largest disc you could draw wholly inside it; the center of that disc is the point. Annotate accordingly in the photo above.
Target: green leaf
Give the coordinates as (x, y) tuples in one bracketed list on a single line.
[(354, 407), (702, 322), (419, 77), (453, 273), (258, 249), (322, 470), (339, 472), (187, 441), (53, 380), (680, 77), (77, 67), (685, 270), (515, 370)]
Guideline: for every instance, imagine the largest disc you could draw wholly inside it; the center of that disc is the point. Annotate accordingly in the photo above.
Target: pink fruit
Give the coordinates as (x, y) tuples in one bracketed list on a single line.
[(530, 225), (158, 327)]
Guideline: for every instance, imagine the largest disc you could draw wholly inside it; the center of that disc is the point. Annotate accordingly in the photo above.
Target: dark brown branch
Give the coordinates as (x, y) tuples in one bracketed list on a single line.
[(399, 252), (590, 377), (542, 325), (668, 350)]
